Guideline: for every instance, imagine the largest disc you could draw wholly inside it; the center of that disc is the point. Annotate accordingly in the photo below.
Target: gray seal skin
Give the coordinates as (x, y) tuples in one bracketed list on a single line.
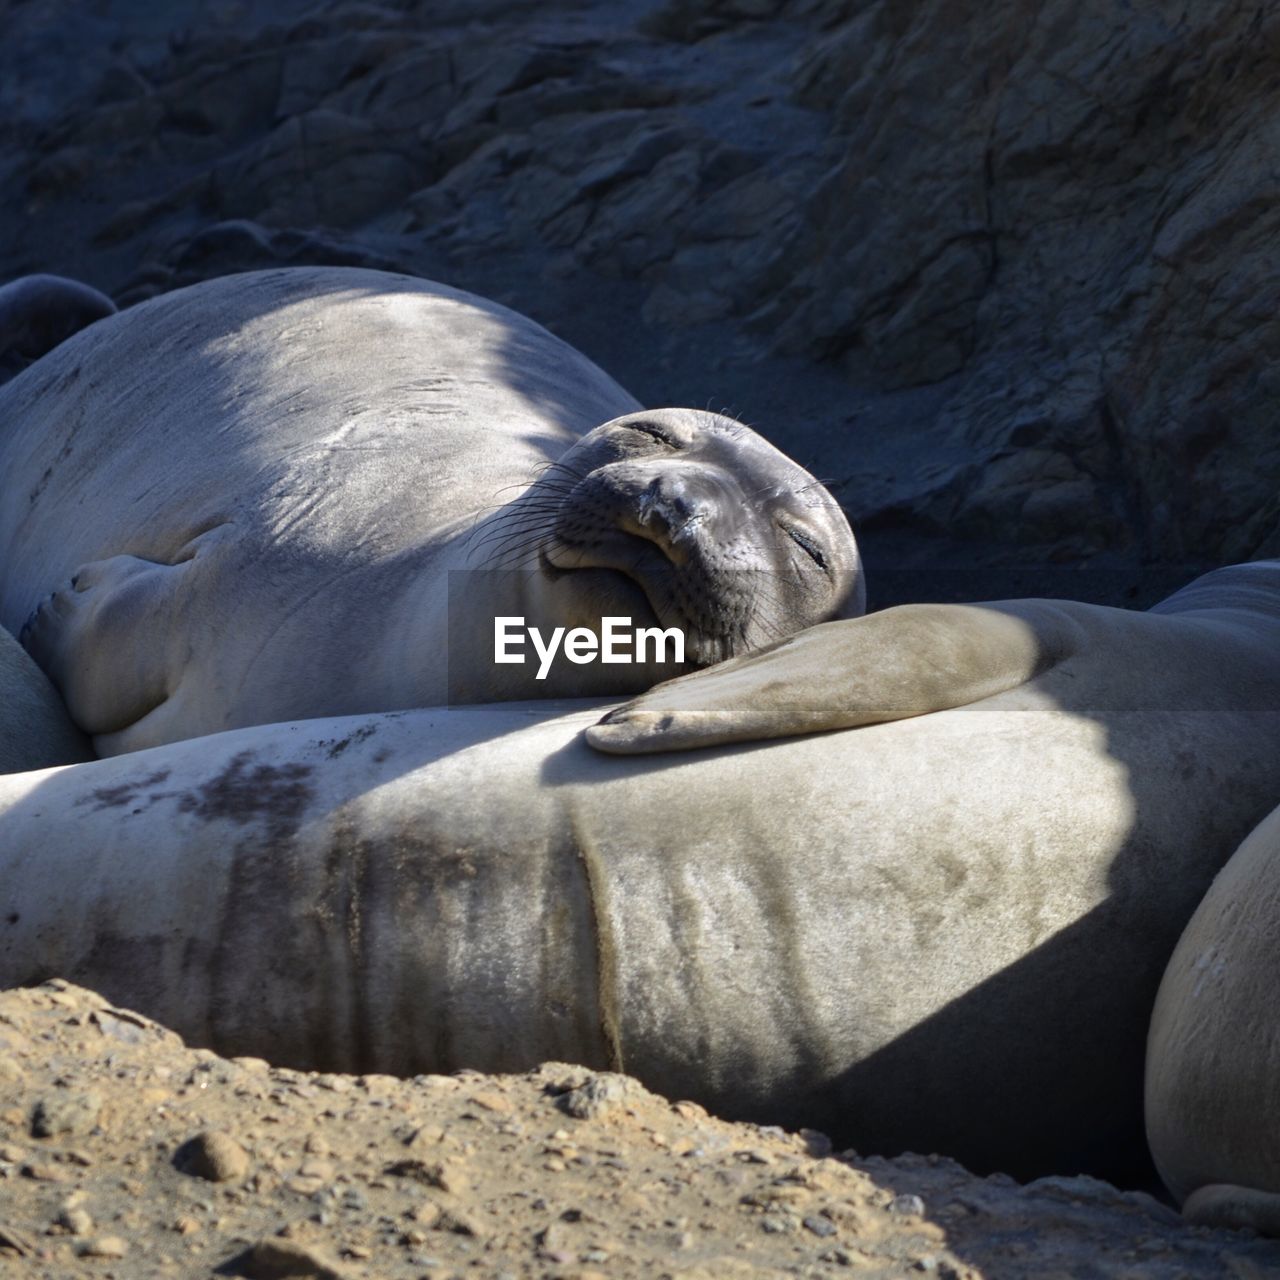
[(940, 933), (35, 730), (1213, 1068), (241, 503), (38, 312)]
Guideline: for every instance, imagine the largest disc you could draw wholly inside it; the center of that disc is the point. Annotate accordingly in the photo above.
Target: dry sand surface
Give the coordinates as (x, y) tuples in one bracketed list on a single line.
[(125, 1154)]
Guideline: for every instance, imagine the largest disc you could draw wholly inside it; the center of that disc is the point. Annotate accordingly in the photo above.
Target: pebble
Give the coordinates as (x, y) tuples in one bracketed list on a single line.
[(462, 1224), (277, 1259), (493, 1101), (71, 1114), (335, 1084), (430, 1173), (907, 1204), (816, 1144), (13, 1240), (214, 1156), (422, 1137), (105, 1247), (689, 1110), (128, 1028), (599, 1096), (313, 1174), (76, 1220)]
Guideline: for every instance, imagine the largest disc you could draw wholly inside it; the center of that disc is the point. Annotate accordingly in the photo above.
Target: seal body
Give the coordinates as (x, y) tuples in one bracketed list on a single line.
[(38, 312), (1213, 1066), (35, 730), (242, 502), (941, 933)]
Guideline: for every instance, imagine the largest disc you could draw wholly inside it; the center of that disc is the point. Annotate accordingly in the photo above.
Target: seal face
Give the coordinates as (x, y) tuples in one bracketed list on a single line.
[(725, 537), (243, 502)]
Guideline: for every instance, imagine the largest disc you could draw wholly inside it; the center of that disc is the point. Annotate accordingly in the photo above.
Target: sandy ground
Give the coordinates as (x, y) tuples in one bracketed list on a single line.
[(125, 1154)]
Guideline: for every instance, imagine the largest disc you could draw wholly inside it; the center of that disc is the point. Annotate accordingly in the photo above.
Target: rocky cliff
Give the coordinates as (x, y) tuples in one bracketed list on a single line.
[(1004, 275)]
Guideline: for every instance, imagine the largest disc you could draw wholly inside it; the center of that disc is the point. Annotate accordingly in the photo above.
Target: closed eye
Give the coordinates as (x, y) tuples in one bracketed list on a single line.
[(652, 429), (808, 545)]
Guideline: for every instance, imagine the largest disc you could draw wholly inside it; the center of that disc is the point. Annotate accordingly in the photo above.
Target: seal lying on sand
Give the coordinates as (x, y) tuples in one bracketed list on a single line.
[(241, 502), (941, 933)]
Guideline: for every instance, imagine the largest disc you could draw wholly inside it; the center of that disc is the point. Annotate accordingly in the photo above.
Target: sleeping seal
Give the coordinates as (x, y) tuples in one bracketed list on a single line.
[(312, 491)]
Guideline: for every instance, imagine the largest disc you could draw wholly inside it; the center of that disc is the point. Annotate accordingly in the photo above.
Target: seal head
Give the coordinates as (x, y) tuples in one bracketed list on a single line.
[(717, 532)]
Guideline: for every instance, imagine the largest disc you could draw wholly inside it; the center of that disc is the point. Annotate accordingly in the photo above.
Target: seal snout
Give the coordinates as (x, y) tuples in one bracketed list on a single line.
[(635, 509), (673, 511)]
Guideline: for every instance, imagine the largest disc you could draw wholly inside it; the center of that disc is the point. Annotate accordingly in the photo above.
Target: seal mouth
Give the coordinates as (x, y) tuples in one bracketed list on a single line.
[(551, 570), (649, 600), (620, 591)]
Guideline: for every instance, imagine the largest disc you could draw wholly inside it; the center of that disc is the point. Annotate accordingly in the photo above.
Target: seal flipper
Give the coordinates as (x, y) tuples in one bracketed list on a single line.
[(838, 675), (39, 312), (1223, 1205), (98, 639)]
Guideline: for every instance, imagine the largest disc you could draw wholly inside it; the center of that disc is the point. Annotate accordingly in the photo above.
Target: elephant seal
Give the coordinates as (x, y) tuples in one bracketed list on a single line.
[(1213, 1065), (35, 730), (938, 933), (314, 491), (39, 312)]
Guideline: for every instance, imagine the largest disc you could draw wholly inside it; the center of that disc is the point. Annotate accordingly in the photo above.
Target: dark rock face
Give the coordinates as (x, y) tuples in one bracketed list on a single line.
[(1006, 277), (1072, 210)]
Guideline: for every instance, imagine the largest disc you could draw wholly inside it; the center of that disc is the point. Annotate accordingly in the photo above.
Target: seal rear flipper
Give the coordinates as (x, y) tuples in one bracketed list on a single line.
[(904, 662), (1222, 1204), (103, 640), (39, 312)]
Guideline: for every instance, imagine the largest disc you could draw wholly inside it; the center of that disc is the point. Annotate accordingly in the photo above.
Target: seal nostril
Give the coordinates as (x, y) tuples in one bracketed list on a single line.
[(680, 507)]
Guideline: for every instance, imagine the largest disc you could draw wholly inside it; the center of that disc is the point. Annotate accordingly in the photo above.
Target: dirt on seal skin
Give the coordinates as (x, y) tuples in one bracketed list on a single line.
[(125, 1154)]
